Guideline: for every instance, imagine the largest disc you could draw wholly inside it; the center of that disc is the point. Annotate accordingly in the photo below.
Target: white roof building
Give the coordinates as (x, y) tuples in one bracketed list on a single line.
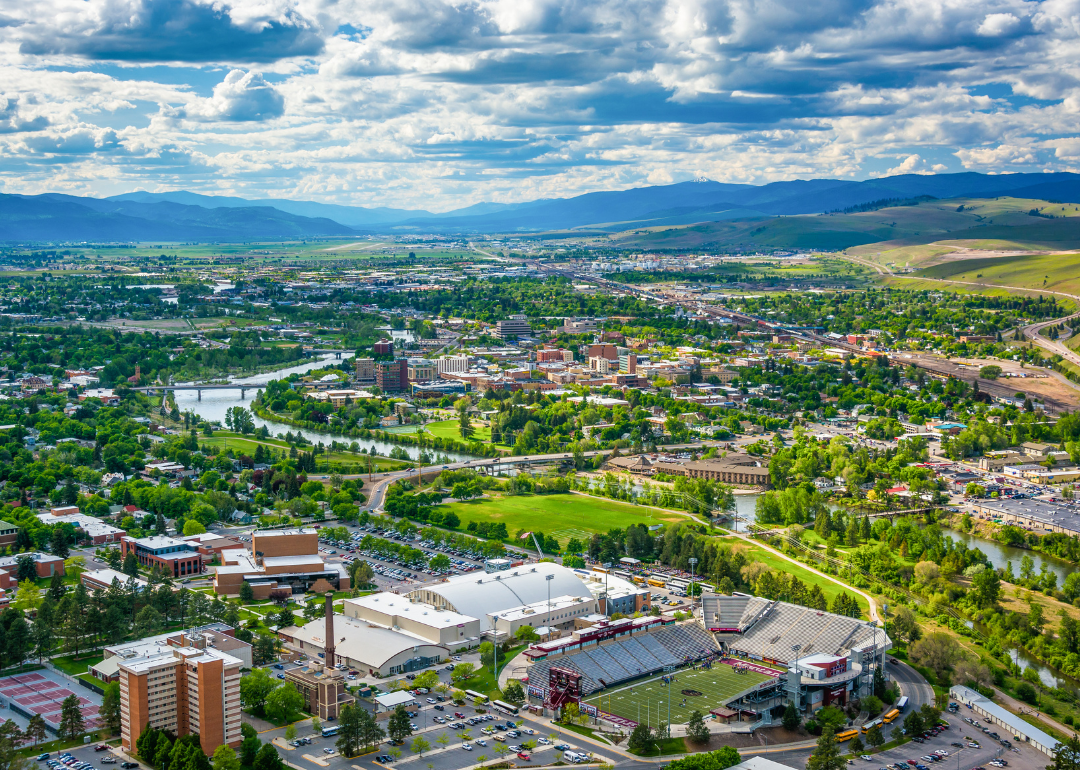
[(366, 647)]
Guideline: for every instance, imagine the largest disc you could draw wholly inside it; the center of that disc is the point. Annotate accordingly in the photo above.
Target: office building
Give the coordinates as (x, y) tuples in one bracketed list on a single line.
[(452, 364), (392, 376), (172, 556), (516, 325), (365, 371), (420, 370), (384, 347), (193, 689), (98, 531)]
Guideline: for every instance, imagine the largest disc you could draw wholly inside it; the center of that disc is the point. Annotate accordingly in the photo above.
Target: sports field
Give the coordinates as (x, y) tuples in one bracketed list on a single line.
[(561, 516), (647, 701)]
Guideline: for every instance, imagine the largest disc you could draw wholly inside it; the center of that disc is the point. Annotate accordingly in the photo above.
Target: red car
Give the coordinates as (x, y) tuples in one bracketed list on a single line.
[(523, 755), (101, 747), (459, 715)]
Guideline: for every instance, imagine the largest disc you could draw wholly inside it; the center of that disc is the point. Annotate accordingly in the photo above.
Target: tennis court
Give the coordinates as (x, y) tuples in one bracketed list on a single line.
[(39, 693), (690, 690)]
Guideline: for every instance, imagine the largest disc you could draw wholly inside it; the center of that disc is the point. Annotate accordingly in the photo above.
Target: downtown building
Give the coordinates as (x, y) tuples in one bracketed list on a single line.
[(193, 689)]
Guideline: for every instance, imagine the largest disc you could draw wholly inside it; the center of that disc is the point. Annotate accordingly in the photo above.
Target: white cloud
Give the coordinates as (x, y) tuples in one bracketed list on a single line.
[(998, 24), (241, 96)]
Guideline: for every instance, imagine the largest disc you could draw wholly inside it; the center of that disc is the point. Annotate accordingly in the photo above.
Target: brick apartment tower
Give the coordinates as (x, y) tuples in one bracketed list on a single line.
[(183, 690)]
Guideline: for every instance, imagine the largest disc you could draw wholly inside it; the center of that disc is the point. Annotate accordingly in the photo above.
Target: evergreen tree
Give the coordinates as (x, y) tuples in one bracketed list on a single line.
[(110, 708), (71, 719), (791, 716), (35, 729), (826, 755), (398, 726), (696, 729)]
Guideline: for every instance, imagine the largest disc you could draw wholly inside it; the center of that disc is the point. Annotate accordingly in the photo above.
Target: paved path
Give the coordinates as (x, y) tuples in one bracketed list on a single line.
[(1011, 703)]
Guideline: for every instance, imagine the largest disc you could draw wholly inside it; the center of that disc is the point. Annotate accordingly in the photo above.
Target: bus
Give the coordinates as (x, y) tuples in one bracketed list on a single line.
[(474, 695), (328, 731), (598, 569), (706, 588), (638, 580), (871, 725), (504, 707), (902, 703), (656, 582), (678, 582), (889, 717), (847, 735)]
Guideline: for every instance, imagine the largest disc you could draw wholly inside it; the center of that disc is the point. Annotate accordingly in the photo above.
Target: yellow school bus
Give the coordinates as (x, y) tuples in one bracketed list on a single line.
[(891, 716), (847, 735)]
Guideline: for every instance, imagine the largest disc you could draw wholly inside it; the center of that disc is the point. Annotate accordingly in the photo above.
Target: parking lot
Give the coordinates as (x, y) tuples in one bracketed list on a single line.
[(110, 759), (964, 757), (446, 743)]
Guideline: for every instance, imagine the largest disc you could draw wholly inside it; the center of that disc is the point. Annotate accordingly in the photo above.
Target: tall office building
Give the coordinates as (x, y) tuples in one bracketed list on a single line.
[(392, 376), (365, 370), (452, 364), (183, 690), (516, 325)]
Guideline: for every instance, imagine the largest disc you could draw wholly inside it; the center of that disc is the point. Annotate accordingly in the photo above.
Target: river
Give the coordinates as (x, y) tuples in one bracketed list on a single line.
[(215, 403)]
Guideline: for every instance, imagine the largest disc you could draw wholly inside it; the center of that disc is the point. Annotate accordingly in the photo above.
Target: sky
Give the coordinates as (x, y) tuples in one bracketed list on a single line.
[(440, 104)]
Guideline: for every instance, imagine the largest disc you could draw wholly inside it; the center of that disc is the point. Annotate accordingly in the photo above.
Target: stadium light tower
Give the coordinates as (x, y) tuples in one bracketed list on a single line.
[(798, 676), (693, 574), (547, 579)]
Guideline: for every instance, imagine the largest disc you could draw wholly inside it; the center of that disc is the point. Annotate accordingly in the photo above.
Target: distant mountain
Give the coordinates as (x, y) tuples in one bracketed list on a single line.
[(188, 216), (53, 217)]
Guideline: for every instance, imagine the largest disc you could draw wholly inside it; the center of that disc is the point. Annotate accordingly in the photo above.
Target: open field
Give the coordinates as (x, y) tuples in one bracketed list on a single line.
[(248, 445), (1057, 272), (1049, 387), (561, 516), (829, 588), (449, 429), (647, 700), (974, 223)]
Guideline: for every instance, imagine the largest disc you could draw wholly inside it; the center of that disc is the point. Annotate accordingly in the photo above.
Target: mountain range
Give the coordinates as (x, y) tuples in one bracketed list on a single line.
[(187, 216)]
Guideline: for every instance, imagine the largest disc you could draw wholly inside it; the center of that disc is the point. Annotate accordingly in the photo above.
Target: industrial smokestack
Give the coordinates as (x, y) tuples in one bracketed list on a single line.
[(330, 630)]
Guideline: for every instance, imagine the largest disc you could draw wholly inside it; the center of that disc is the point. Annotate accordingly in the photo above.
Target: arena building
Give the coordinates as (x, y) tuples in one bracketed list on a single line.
[(527, 589)]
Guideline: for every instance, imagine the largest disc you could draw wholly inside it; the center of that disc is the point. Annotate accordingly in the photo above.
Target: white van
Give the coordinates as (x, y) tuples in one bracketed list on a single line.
[(574, 757)]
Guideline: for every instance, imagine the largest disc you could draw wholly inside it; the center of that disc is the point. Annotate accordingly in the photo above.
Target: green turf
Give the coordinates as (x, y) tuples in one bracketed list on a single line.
[(450, 429), (647, 701), (562, 516)]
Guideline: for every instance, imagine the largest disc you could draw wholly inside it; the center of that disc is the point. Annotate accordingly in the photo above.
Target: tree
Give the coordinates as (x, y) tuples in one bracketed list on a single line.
[(247, 594), (913, 723), (284, 703), (986, 588), (826, 755), (514, 693), (131, 565), (35, 729), (427, 680), (110, 707), (10, 736), (856, 745), (398, 726), (225, 759), (249, 746), (487, 654), (193, 527), (465, 427), (290, 732), (265, 648), (791, 717), (874, 737), (419, 745), (905, 626), (696, 729), (148, 622), (937, 651), (254, 690), (463, 671), (527, 634), (1066, 755), (71, 719), (268, 759), (641, 739), (28, 597)]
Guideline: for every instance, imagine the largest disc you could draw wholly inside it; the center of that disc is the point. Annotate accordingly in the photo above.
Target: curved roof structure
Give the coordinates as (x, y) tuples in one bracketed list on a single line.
[(479, 595)]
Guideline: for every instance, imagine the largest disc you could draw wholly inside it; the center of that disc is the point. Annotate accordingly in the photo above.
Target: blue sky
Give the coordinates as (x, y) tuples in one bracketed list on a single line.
[(439, 104)]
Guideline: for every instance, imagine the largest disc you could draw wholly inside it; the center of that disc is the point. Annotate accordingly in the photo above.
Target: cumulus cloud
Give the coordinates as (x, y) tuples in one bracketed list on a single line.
[(171, 30), (446, 102), (242, 96)]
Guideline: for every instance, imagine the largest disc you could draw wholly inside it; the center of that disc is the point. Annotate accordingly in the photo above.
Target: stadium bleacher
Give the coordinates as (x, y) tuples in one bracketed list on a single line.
[(772, 633), (630, 657)]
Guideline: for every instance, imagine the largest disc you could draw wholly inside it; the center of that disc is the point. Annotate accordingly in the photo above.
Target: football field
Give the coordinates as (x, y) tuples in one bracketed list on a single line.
[(647, 701)]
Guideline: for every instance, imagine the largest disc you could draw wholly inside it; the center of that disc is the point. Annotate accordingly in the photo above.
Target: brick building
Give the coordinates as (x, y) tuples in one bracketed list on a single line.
[(392, 376), (173, 556)]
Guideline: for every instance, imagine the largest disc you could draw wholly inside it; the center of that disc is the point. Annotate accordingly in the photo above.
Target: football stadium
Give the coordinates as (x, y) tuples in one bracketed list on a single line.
[(743, 658)]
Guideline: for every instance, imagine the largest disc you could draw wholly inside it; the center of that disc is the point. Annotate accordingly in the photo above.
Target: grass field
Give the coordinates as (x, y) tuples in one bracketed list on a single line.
[(247, 445), (829, 588), (449, 429), (647, 701), (1058, 272), (561, 516)]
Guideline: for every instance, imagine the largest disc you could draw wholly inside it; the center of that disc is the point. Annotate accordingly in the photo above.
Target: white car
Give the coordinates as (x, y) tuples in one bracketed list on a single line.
[(466, 746)]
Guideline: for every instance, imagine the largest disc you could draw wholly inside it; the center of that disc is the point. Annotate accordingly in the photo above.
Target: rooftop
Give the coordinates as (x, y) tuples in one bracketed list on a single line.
[(283, 532), (394, 604)]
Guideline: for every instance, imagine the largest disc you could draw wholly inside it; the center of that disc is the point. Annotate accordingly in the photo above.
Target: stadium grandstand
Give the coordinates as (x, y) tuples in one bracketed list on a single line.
[(627, 657), (828, 657)]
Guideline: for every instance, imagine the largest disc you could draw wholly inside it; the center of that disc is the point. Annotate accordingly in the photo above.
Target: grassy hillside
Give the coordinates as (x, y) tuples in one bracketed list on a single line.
[(958, 223), (1057, 272)]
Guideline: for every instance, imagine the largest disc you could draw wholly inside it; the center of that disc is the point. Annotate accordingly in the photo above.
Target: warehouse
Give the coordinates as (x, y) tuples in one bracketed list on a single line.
[(1031, 514), (410, 616), (1017, 729)]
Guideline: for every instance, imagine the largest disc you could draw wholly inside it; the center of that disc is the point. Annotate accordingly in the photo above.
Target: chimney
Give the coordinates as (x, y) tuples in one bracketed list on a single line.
[(329, 653)]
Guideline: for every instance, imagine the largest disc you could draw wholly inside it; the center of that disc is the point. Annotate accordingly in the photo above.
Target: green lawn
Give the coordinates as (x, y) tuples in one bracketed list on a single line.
[(829, 588), (70, 665), (450, 429), (648, 701), (247, 445), (562, 516)]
